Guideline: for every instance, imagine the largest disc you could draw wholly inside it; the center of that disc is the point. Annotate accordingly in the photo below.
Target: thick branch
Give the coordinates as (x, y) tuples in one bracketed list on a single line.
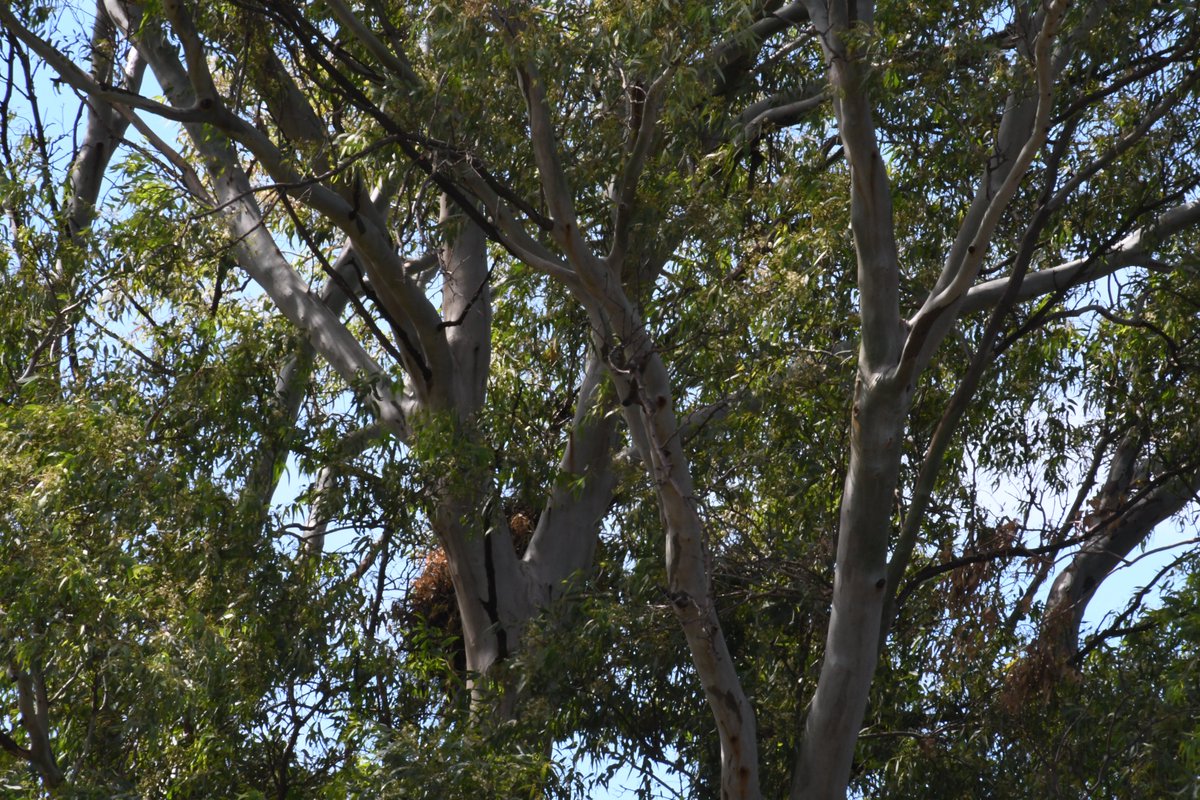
[(466, 307), (564, 542), (1135, 249), (730, 58), (870, 193), (35, 719), (779, 112), (1121, 523), (961, 274), (643, 387), (985, 354), (648, 109), (256, 250), (555, 186), (400, 297), (396, 63), (644, 390), (105, 127), (513, 235)]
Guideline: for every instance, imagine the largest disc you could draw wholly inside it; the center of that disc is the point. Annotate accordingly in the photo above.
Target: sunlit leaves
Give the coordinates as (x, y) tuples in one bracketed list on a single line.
[(156, 483)]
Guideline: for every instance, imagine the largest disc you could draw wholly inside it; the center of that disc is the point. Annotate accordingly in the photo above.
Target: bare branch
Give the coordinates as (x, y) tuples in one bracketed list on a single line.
[(779, 112), (963, 274), (1134, 250), (35, 719), (728, 59), (870, 198), (513, 235), (396, 63), (646, 110), (322, 508), (555, 186), (568, 528)]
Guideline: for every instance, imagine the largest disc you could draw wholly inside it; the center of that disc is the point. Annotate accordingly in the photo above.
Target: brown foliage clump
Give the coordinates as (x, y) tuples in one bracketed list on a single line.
[(431, 596), (1036, 677), (431, 601)]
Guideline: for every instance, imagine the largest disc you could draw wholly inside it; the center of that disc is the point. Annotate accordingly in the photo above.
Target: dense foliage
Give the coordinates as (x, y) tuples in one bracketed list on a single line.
[(496, 400)]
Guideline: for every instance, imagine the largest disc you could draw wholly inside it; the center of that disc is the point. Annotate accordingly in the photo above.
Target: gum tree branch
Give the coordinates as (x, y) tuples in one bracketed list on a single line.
[(1134, 250), (961, 272)]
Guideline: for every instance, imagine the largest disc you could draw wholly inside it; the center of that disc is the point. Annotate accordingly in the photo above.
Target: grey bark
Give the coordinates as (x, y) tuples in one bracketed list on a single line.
[(644, 390), (837, 707), (103, 132), (891, 357), (564, 541), (446, 355), (256, 251), (1130, 505), (34, 708), (1136, 249), (466, 309)]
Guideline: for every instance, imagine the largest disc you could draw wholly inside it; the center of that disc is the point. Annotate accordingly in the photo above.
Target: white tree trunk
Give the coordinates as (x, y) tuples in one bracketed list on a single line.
[(859, 591)]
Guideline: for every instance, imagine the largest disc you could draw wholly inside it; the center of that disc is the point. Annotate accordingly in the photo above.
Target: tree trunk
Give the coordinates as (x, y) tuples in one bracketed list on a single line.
[(859, 590)]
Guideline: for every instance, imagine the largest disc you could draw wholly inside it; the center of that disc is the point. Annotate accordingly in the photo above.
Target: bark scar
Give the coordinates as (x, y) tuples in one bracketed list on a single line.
[(491, 603)]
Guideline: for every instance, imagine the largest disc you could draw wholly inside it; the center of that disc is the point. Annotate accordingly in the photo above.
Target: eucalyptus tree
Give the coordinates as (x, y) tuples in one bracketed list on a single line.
[(872, 241)]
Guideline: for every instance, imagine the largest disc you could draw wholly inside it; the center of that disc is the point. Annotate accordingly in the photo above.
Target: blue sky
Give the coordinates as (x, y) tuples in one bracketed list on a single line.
[(60, 113)]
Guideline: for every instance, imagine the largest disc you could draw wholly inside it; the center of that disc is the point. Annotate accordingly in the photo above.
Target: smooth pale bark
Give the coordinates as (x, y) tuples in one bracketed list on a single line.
[(876, 430), (105, 128), (1019, 142), (1001, 294), (418, 326), (103, 132), (466, 309), (562, 543), (446, 355), (647, 401), (688, 583), (475, 560), (644, 385), (1135, 249), (487, 574), (256, 251), (446, 352), (499, 593), (891, 357), (859, 591)]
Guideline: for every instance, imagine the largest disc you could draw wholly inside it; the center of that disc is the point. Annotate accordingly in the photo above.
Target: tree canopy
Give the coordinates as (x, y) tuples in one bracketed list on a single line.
[(490, 399)]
